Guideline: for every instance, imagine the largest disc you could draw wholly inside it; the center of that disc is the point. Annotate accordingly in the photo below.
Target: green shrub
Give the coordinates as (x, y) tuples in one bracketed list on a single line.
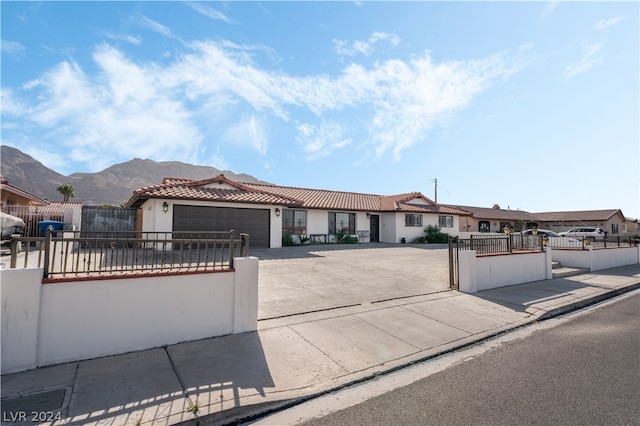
[(434, 235), (287, 239)]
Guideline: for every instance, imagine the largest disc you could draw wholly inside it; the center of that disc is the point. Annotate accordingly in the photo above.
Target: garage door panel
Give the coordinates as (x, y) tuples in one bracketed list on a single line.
[(254, 222)]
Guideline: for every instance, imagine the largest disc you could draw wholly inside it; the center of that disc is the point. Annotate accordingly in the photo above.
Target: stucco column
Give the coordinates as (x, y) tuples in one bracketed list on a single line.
[(245, 307), (467, 274)]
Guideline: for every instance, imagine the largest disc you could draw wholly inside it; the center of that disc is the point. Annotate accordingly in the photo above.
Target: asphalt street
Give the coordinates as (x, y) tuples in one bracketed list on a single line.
[(584, 371)]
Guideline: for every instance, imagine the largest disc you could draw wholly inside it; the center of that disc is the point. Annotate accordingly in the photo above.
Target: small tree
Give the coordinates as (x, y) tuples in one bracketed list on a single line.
[(67, 191)]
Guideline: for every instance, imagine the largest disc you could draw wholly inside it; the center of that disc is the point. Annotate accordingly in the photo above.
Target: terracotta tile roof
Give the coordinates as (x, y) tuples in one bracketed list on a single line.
[(257, 193), (584, 215), (324, 199), (190, 189), (497, 213)]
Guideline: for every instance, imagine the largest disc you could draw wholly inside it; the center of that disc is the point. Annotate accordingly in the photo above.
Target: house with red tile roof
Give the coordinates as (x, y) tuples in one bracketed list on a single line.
[(11, 195), (267, 212), (494, 219), (612, 221)]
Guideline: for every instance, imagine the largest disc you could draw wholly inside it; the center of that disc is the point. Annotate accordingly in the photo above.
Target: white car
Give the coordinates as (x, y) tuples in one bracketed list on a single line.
[(590, 232)]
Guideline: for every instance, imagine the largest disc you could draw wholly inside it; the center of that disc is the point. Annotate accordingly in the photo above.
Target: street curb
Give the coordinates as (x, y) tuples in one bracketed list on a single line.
[(588, 302), (250, 415)]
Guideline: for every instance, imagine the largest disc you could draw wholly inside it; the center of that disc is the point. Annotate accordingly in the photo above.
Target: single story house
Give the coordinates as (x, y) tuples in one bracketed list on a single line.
[(267, 212), (494, 219), (11, 195), (612, 221)]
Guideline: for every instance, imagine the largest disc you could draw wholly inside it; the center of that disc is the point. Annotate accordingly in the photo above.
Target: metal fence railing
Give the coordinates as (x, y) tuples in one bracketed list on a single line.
[(514, 243), (612, 241), (79, 254), (501, 243)]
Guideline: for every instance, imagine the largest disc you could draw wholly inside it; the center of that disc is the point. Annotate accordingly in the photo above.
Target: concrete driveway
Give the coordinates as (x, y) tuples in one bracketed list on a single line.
[(295, 280)]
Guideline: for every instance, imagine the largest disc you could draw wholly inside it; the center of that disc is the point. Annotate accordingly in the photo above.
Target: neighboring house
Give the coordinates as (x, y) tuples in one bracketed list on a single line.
[(632, 226), (612, 221), (11, 195), (33, 209), (267, 212), (494, 219)]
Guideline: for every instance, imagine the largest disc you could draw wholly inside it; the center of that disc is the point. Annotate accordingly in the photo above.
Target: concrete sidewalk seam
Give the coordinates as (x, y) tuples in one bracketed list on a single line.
[(182, 385)]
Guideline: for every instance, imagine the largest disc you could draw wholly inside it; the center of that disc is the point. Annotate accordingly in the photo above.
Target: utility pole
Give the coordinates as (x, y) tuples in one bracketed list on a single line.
[(435, 181)]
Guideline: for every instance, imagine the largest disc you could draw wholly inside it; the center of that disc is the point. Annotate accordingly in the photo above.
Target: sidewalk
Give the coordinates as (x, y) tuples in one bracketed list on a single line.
[(290, 359)]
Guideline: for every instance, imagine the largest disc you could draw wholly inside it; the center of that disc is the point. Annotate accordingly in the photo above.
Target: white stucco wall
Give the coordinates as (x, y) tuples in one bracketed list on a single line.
[(44, 324), (317, 222), (479, 273), (392, 228), (412, 232), (20, 318), (613, 257), (596, 260)]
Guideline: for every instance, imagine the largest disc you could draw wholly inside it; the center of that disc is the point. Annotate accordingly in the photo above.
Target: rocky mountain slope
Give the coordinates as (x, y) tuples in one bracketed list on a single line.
[(112, 185)]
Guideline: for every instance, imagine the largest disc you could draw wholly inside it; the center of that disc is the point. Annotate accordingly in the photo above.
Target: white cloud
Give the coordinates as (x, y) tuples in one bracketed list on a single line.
[(11, 47), (365, 48), (590, 59), (124, 111), (321, 140), (248, 132), (11, 105), (604, 24), (136, 41), (209, 12), (163, 111), (157, 27)]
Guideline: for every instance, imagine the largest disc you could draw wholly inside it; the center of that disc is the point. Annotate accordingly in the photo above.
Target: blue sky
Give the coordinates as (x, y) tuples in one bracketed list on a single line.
[(530, 105)]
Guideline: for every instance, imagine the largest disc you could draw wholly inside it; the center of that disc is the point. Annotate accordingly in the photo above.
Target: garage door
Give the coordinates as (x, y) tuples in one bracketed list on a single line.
[(254, 222)]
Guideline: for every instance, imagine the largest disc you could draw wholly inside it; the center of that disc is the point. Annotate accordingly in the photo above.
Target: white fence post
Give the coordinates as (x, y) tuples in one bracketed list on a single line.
[(245, 309)]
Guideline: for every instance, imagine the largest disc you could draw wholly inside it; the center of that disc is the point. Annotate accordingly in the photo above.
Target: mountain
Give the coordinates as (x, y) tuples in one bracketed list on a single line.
[(112, 185)]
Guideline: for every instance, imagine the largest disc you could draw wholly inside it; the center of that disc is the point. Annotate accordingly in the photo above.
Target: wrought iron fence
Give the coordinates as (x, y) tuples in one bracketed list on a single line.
[(500, 243), (611, 241), (78, 254)]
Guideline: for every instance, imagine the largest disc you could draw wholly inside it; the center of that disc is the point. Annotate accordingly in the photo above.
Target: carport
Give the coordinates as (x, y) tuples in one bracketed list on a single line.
[(302, 279)]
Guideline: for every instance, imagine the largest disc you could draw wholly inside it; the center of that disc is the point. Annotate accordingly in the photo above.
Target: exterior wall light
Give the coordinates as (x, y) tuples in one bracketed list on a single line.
[(277, 212), (165, 207)]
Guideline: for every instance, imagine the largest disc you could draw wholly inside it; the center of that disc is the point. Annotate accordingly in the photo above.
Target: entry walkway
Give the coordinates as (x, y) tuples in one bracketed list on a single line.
[(292, 358)]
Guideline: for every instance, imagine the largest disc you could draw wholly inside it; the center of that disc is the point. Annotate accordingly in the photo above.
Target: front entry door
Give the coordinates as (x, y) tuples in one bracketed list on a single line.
[(374, 228)]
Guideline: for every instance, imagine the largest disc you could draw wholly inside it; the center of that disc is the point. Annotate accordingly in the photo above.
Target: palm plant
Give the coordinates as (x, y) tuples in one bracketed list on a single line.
[(67, 191)]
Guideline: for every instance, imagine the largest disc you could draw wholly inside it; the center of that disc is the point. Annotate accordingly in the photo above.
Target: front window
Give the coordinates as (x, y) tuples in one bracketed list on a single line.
[(483, 226), (413, 220), (342, 223), (445, 221), (294, 222), (614, 228)]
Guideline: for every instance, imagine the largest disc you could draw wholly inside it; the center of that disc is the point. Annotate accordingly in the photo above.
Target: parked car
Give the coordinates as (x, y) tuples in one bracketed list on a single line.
[(556, 240), (590, 232)]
